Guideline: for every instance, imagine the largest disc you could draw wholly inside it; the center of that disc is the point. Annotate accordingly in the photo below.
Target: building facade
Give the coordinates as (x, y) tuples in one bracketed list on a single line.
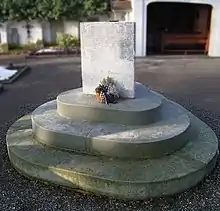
[(16, 33), (202, 17), (161, 26)]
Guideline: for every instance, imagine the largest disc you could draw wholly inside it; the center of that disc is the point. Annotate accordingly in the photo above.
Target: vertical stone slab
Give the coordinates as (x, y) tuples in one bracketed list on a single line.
[(107, 49)]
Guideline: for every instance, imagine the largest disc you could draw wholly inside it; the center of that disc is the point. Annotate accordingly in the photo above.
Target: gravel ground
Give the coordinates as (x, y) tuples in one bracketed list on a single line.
[(193, 83)]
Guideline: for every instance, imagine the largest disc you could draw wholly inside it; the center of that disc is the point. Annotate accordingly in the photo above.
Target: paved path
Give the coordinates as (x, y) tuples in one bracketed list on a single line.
[(193, 82)]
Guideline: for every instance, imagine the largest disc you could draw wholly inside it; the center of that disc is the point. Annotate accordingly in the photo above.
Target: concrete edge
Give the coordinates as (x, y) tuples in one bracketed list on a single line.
[(76, 111), (98, 146), (112, 188)]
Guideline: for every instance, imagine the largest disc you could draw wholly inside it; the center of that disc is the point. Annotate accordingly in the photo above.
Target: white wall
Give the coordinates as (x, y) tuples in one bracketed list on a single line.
[(104, 18), (71, 27), (46, 32), (42, 30), (139, 15), (3, 33), (214, 40), (36, 31), (128, 16), (56, 27)]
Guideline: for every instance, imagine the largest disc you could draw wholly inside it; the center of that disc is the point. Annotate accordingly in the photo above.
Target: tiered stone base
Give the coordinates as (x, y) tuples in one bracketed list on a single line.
[(166, 150)]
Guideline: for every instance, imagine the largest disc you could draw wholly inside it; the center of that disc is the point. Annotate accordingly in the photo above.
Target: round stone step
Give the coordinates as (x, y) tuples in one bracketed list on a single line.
[(163, 137), (131, 179), (142, 110)]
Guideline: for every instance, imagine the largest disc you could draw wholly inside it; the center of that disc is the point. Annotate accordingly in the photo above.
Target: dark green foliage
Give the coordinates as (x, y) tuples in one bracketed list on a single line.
[(92, 7), (50, 9)]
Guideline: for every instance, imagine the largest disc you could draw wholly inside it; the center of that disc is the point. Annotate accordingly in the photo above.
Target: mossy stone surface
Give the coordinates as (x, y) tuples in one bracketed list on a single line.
[(142, 110), (165, 136), (128, 179)]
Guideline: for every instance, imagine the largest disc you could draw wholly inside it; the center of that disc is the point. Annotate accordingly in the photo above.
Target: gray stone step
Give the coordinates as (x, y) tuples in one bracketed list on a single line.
[(139, 111), (138, 179), (157, 139)]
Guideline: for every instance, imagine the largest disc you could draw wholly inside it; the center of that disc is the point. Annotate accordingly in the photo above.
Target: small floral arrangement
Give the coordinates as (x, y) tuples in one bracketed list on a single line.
[(107, 91)]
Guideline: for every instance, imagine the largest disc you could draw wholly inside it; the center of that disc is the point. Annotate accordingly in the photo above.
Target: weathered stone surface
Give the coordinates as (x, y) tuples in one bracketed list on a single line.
[(137, 179), (107, 49), (142, 110), (165, 136)]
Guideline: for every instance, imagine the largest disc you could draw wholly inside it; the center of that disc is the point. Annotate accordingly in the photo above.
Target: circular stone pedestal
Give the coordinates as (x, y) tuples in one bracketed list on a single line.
[(142, 110), (163, 157)]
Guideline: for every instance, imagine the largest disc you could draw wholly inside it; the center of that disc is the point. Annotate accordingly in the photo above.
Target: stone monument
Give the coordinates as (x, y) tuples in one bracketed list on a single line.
[(107, 49), (143, 146)]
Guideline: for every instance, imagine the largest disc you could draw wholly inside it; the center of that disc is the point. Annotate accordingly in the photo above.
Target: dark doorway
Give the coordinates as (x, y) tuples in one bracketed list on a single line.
[(178, 28)]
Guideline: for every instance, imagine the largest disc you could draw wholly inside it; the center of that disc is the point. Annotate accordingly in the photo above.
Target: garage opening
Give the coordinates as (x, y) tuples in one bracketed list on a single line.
[(178, 28)]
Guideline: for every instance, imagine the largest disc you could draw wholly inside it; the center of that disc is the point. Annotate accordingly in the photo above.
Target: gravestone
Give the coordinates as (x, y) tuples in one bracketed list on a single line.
[(107, 49), (138, 148)]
